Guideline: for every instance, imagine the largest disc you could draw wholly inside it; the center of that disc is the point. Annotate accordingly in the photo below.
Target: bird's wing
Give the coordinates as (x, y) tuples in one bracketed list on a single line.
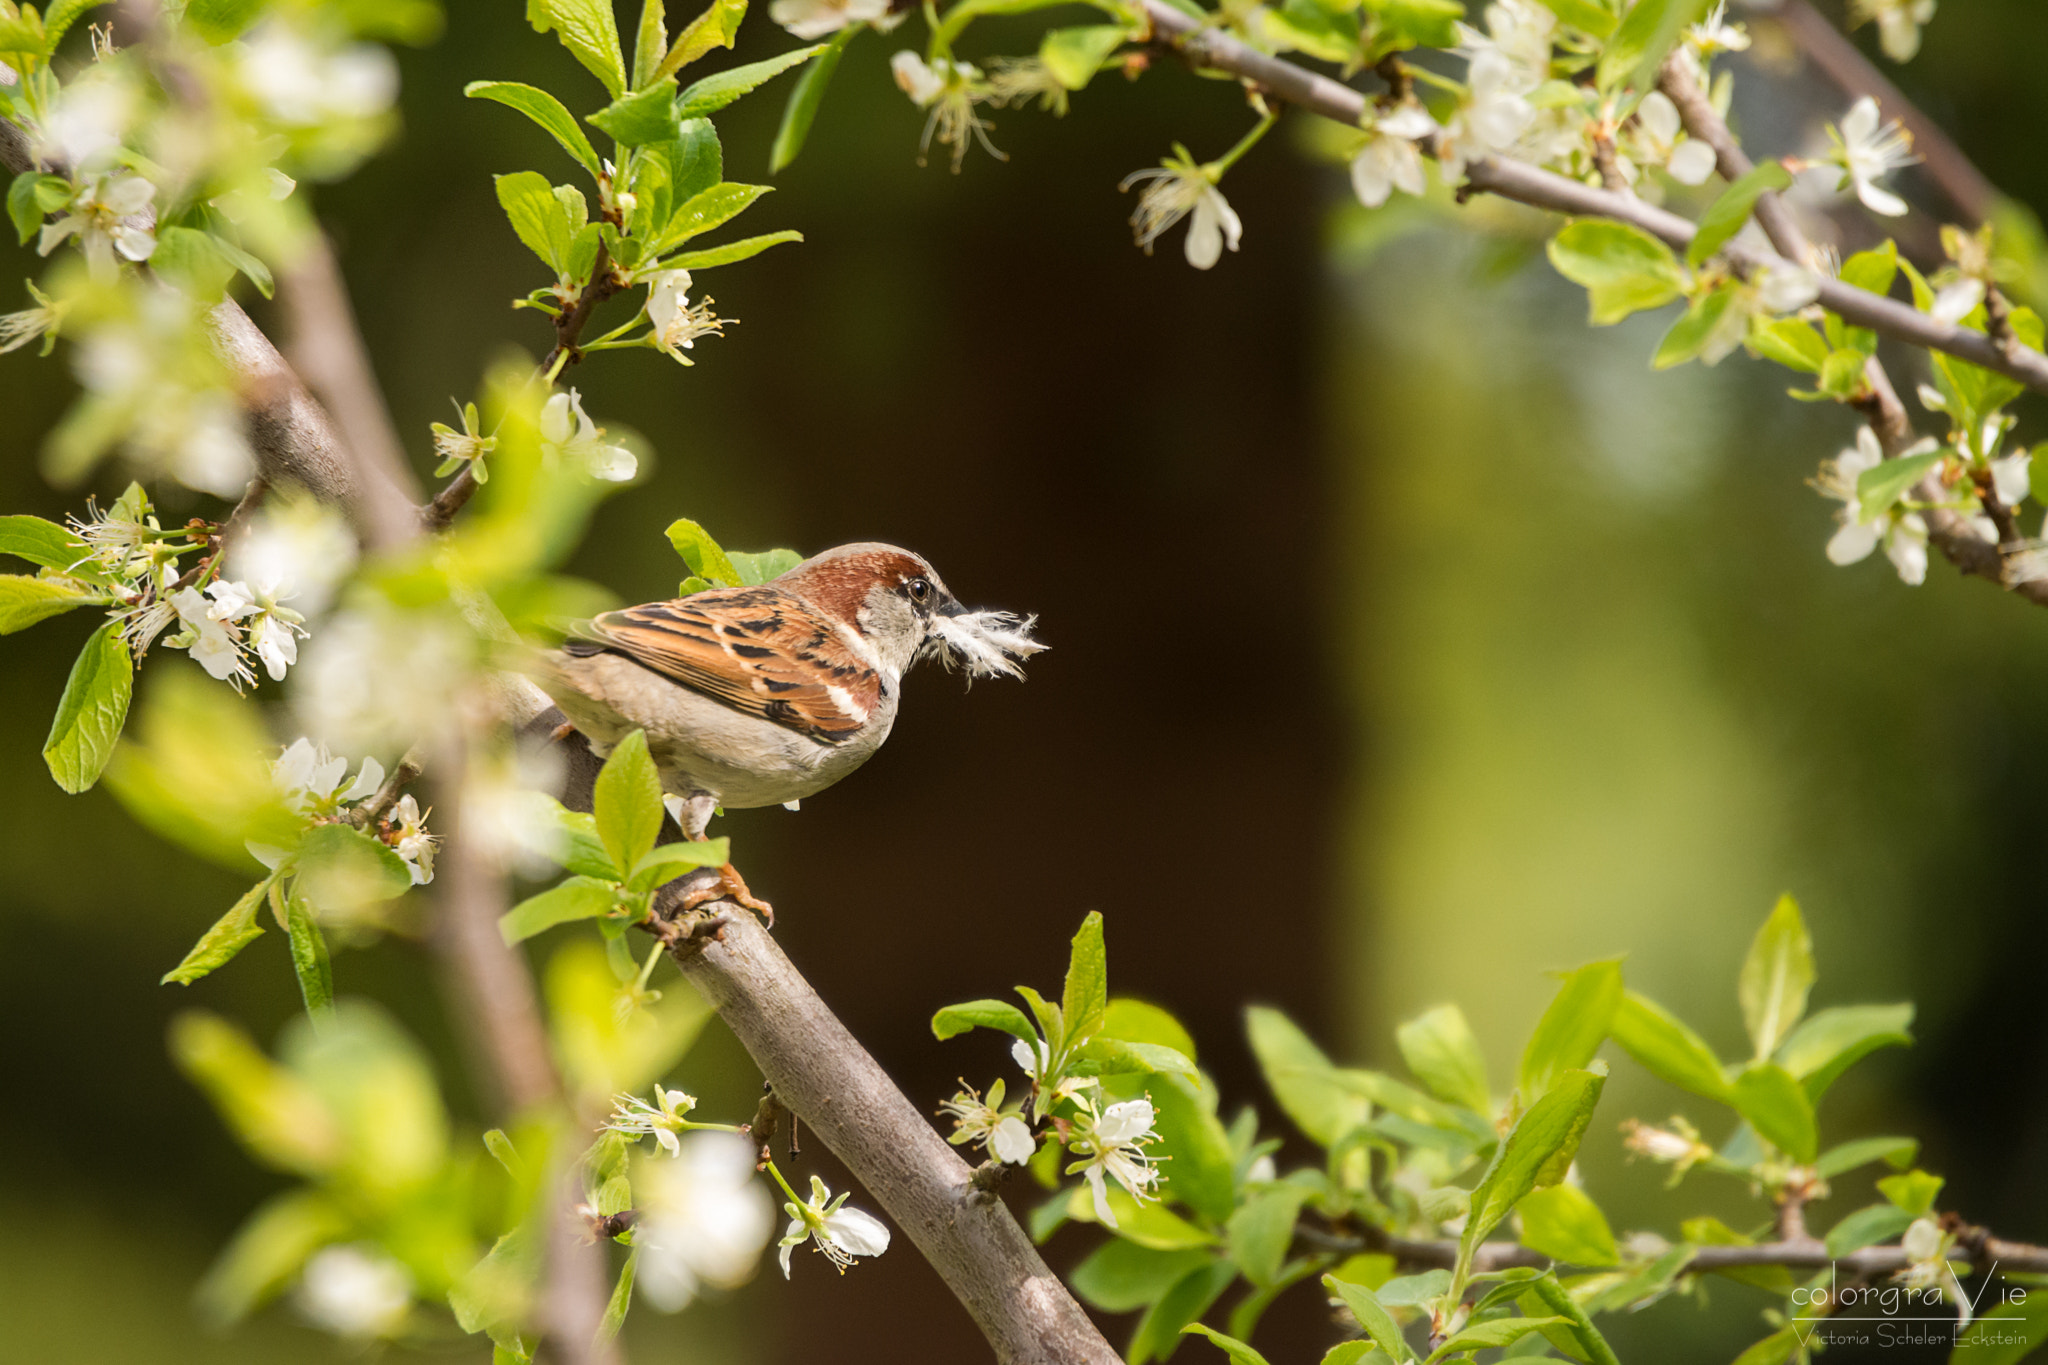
[(758, 650)]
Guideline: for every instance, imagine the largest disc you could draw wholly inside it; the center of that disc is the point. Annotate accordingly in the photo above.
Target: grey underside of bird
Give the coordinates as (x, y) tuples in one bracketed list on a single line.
[(702, 747)]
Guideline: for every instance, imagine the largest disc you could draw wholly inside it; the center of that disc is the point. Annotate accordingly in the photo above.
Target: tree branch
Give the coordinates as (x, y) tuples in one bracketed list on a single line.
[(823, 1076), (1543, 189)]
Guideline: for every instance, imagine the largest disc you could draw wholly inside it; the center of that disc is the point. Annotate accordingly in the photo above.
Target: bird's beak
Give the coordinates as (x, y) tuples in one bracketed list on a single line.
[(950, 607)]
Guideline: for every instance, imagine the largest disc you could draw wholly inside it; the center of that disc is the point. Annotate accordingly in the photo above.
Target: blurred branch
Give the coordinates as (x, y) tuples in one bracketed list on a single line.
[(819, 1073), (1842, 62), (1953, 534), (1534, 186)]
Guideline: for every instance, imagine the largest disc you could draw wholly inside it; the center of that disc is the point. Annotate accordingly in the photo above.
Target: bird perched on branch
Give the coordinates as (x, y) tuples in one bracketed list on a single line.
[(765, 695)]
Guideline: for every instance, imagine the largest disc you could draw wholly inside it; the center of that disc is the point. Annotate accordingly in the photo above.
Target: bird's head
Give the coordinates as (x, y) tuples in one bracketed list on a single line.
[(900, 608)]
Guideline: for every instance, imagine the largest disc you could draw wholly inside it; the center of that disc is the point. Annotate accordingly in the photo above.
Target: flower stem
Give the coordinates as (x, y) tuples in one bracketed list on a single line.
[(1222, 164)]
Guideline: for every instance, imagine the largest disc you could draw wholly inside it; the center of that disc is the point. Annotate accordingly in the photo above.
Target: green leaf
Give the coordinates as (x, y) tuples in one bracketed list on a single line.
[(1778, 972), (1879, 487), (1440, 1049), (728, 254), (955, 1020), (581, 851), (30, 196), (804, 98), (1790, 342), (1574, 1026), (343, 869), (537, 217), (1121, 1276), (1194, 1150), (627, 801), (1535, 1154), (665, 862), (702, 553), (1641, 43), (2008, 1333), (50, 545), (192, 260), (1411, 1104), (713, 93), (231, 933), (622, 1291), (1138, 1021), (650, 42), (639, 118), (1073, 55), (1775, 1349), (266, 1254), (1301, 1077), (1261, 1229), (1374, 1319), (61, 15), (590, 32), (1829, 1043), (756, 569), (1087, 986), (715, 27), (1150, 1224), (1418, 23), (1691, 333), (1913, 1191), (1481, 1336), (1874, 270), (577, 898), (25, 600), (1412, 1291), (309, 955), (545, 110), (1566, 1225), (91, 712), (1726, 215), (1776, 1106), (1666, 1047), (1867, 1227), (1588, 16), (1239, 1352), (1591, 1346), (1158, 1334), (1896, 1152), (707, 210), (1116, 1057), (1623, 268), (220, 21)]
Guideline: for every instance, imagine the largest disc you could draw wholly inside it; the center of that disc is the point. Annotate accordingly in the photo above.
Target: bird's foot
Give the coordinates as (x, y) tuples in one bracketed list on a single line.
[(728, 885)]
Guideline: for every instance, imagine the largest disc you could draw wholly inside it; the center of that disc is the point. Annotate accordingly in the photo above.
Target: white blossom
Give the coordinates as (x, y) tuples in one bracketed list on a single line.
[(840, 1232), (408, 834), (1714, 34), (662, 1120), (1006, 1137), (20, 328), (1866, 148), (312, 780), (106, 216), (1519, 32), (1177, 189), (2012, 477), (1390, 159), (1957, 299), (301, 83), (813, 19), (216, 645), (297, 551), (1903, 534), (273, 629), (704, 1219), (1898, 23), (1489, 119), (1111, 1146), (89, 120), (917, 79), (354, 1291), (677, 323), (1659, 140), (567, 433), (951, 90)]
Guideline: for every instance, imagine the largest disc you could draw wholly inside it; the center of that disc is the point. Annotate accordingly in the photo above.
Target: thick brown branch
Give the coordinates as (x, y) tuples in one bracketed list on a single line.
[(1543, 189)]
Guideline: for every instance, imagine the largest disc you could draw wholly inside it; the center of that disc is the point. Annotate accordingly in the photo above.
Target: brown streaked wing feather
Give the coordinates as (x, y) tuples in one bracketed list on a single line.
[(758, 650)]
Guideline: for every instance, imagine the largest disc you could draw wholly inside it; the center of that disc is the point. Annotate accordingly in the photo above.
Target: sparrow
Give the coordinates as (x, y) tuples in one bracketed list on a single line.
[(762, 696)]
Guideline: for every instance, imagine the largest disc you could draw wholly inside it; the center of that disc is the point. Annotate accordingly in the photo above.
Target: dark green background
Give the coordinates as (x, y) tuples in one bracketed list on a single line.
[(1409, 640)]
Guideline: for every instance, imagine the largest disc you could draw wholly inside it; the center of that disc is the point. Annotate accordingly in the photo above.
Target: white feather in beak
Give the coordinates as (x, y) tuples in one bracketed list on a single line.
[(987, 644)]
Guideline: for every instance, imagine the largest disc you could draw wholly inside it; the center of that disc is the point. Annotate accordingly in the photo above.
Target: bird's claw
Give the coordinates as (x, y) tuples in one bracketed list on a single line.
[(728, 885)]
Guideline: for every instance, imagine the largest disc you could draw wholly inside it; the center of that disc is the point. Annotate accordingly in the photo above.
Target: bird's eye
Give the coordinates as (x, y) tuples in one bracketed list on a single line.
[(920, 591)]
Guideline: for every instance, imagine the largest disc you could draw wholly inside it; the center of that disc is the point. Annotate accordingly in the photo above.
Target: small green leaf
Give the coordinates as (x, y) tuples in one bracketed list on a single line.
[(713, 93), (1240, 1353), (50, 545), (1588, 16), (1301, 1077), (309, 955), (1790, 342), (627, 801), (1874, 270), (1645, 37), (1374, 1319), (955, 1020), (1440, 1049), (1775, 1349), (804, 98), (1881, 486), (1623, 268), (231, 933), (707, 210), (1481, 1336), (1574, 1026), (1116, 1057), (1073, 55), (1726, 215), (1913, 1191), (1566, 1225), (1087, 986), (1158, 1331), (1261, 1229), (702, 553), (1867, 1227), (639, 118), (1896, 1152), (756, 569), (715, 27), (1778, 972), (30, 196), (25, 600), (2006, 1334), (577, 898), (1581, 1339), (1535, 1154), (1121, 1276), (1666, 1047), (1194, 1150), (1775, 1105), (665, 862), (192, 260), (591, 33), (731, 253), (343, 869), (1829, 1043), (622, 1292), (267, 1253), (1690, 335), (537, 217), (545, 110), (91, 712)]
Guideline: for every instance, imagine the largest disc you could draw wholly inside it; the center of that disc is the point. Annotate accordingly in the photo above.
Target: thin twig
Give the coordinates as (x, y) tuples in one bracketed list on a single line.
[(1543, 189)]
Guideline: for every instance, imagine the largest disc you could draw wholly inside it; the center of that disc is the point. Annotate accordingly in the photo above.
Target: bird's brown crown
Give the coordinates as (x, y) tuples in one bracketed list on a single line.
[(839, 580)]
